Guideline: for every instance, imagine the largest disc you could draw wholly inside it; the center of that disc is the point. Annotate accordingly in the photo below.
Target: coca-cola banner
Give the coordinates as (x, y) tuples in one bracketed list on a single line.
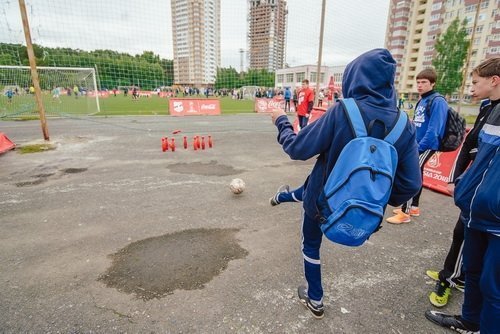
[(268, 105), (438, 168), (186, 107)]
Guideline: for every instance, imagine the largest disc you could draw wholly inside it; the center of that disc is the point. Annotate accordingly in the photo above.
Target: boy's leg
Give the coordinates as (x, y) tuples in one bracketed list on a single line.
[(475, 245), (311, 243), (490, 286), (291, 196), (452, 270), (422, 159)]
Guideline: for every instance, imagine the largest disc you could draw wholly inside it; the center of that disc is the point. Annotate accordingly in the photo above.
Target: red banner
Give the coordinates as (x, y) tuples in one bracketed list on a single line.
[(316, 113), (438, 168), (263, 105), (185, 107), (102, 93)]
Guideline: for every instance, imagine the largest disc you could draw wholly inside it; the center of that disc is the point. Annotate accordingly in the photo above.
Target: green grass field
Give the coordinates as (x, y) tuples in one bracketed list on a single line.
[(25, 106)]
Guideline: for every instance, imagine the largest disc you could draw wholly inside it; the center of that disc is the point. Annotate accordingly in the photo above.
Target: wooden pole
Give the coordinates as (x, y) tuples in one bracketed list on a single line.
[(34, 73), (467, 60), (320, 52)]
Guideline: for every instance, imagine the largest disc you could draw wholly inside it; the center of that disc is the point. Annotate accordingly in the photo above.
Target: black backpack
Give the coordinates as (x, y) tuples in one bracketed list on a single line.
[(454, 132)]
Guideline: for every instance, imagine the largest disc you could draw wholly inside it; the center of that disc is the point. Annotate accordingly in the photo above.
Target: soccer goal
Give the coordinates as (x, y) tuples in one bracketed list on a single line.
[(65, 91)]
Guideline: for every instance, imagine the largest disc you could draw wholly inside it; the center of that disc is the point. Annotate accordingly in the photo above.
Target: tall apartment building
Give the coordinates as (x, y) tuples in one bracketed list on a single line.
[(196, 41), (266, 34), (413, 28)]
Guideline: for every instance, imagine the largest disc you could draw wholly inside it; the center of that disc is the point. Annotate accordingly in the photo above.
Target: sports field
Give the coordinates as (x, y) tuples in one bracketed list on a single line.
[(24, 106)]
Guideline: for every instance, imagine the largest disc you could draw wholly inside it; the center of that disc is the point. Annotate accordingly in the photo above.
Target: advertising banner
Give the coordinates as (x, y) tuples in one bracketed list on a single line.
[(438, 168), (265, 105), (188, 107), (316, 113)]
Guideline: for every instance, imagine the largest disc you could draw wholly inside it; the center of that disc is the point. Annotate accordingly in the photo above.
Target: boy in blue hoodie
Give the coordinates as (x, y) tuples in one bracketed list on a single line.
[(430, 120), (369, 79), (477, 194)]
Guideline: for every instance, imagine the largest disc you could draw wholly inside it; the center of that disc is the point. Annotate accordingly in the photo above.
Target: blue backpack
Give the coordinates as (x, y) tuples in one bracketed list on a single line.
[(356, 193)]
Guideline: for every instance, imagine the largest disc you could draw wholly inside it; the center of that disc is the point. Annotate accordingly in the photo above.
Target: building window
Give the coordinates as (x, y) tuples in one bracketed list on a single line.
[(470, 8), (280, 78), (289, 77), (300, 76), (436, 6)]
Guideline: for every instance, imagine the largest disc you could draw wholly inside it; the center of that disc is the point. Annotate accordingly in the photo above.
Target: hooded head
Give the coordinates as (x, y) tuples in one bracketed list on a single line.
[(370, 79)]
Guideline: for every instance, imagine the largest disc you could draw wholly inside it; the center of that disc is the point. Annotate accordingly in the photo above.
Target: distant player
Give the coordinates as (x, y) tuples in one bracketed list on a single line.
[(10, 94), (56, 94)]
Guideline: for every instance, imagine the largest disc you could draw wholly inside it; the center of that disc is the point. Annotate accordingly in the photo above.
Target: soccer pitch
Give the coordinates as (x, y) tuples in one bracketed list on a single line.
[(25, 106)]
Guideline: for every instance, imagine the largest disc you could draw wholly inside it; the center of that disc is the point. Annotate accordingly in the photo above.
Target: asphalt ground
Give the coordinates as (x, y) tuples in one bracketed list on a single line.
[(108, 234)]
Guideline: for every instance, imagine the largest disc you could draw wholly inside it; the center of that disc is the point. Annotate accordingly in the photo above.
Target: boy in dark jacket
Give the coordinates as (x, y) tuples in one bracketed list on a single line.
[(451, 276), (369, 79), (477, 194)]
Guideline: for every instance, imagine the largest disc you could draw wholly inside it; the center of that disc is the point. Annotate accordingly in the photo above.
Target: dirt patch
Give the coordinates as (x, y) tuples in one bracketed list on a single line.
[(31, 182), (74, 170), (155, 267), (211, 168)]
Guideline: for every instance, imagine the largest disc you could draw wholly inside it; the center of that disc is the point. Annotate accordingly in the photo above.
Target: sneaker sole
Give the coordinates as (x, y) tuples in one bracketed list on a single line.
[(398, 223), (435, 278), (396, 211), (435, 304), (304, 302)]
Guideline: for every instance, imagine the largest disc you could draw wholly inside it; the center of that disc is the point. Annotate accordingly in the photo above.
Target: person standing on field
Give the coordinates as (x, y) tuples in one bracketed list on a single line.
[(305, 103)]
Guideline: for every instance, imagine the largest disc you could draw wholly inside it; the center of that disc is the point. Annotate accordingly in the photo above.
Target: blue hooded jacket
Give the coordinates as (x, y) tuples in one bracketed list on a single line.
[(430, 124), (478, 192), (369, 79)]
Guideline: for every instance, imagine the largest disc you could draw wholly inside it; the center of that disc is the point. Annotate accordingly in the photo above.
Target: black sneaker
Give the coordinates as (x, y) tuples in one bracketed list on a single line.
[(282, 189), (317, 311), (454, 322)]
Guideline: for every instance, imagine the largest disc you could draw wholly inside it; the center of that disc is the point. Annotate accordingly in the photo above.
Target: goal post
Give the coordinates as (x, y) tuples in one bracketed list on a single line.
[(65, 91)]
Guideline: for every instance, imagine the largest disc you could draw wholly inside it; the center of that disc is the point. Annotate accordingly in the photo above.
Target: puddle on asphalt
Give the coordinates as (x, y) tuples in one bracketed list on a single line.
[(211, 168), (43, 177), (156, 267)]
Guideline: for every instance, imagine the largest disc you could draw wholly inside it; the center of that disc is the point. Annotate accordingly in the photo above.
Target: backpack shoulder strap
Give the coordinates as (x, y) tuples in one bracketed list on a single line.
[(428, 106), (354, 116), (398, 129)]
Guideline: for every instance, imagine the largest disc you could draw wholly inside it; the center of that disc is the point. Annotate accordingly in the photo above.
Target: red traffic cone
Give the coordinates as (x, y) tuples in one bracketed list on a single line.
[(210, 143), (185, 142), (198, 144), (202, 142), (195, 147)]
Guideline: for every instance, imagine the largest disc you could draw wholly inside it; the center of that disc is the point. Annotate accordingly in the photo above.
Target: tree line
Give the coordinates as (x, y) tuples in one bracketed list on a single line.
[(147, 70)]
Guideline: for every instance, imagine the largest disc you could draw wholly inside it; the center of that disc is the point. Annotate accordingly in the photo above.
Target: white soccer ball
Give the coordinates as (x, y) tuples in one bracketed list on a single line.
[(237, 186)]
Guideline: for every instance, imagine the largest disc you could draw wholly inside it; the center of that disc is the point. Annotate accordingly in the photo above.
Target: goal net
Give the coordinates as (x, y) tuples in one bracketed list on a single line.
[(65, 91)]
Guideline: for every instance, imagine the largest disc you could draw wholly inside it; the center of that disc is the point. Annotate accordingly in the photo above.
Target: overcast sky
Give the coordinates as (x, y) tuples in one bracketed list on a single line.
[(351, 27)]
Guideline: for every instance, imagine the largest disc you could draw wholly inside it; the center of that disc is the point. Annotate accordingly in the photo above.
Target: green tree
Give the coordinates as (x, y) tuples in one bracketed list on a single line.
[(227, 78), (451, 53)]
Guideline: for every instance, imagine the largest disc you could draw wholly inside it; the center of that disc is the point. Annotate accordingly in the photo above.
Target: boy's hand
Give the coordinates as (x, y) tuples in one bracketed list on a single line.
[(277, 113), (451, 188)]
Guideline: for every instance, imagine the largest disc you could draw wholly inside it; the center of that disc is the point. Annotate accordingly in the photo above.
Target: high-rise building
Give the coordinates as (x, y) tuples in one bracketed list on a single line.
[(196, 41), (413, 28), (267, 34)]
